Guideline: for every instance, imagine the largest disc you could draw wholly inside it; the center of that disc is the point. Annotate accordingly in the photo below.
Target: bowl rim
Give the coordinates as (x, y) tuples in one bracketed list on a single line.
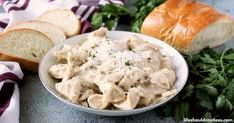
[(116, 112)]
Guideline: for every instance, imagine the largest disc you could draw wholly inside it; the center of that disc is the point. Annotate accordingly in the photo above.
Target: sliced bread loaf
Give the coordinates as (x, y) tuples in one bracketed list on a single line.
[(64, 19), (52, 31), (188, 25), (25, 46)]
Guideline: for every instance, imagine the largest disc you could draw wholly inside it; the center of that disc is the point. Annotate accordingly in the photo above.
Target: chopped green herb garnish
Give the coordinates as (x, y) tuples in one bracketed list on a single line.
[(92, 55), (128, 63), (34, 55)]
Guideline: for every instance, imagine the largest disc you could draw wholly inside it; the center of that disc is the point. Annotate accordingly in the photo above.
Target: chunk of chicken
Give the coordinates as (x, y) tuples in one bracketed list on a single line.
[(133, 41), (112, 92), (96, 101), (84, 103), (155, 89), (153, 59), (62, 54), (164, 78), (130, 103), (86, 94), (88, 65), (131, 78), (170, 74), (76, 57), (90, 80), (114, 77), (153, 47), (95, 39), (160, 79), (145, 95), (126, 82), (58, 71), (166, 63), (69, 72), (146, 46), (70, 89), (101, 32)]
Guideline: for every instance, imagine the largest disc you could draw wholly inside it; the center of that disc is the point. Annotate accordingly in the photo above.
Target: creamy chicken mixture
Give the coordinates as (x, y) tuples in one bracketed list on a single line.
[(113, 74)]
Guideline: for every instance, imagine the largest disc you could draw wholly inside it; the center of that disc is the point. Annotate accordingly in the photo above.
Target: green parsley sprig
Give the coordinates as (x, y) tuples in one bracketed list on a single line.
[(109, 16), (209, 92)]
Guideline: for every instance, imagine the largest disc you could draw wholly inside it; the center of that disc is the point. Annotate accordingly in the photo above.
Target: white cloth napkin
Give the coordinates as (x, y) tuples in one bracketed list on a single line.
[(10, 74), (23, 10)]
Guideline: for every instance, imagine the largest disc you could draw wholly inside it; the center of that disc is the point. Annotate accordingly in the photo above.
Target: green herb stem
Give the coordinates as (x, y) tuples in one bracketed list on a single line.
[(221, 64)]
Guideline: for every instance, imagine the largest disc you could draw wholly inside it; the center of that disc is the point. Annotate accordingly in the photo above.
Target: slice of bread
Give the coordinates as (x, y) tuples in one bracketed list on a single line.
[(25, 46), (64, 19), (52, 31)]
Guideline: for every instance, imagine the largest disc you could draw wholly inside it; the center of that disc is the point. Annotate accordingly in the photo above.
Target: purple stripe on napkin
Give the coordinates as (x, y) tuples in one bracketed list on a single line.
[(19, 8), (11, 2), (9, 93), (74, 9), (3, 25), (5, 96), (85, 11), (86, 26), (10, 76), (89, 2)]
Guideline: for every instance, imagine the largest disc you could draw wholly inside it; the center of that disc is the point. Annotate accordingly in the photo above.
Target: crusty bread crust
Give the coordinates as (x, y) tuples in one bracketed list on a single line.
[(24, 63), (36, 21), (79, 26), (177, 22), (30, 30), (78, 22)]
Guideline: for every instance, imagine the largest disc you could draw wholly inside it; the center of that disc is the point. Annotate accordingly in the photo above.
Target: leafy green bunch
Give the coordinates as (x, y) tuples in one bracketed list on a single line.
[(110, 15), (209, 92)]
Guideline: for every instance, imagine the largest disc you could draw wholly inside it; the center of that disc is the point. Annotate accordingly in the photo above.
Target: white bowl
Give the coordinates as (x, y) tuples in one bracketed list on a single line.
[(178, 61)]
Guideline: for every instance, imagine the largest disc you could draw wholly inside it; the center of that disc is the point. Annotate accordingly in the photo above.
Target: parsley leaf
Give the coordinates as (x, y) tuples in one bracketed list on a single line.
[(128, 63), (97, 20)]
